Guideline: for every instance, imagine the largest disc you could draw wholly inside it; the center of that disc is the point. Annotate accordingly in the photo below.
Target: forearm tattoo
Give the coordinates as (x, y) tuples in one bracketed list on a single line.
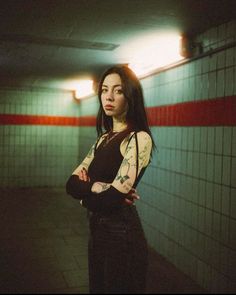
[(126, 175), (102, 186)]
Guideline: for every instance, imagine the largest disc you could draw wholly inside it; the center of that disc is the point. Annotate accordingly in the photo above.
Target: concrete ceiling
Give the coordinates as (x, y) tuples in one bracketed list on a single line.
[(44, 43)]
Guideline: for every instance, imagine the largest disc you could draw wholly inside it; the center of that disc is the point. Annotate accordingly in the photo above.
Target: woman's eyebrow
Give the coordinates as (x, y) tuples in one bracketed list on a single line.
[(116, 85)]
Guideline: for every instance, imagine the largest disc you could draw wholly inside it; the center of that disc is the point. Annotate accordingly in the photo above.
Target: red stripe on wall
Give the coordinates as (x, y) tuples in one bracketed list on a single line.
[(214, 112), (9, 119)]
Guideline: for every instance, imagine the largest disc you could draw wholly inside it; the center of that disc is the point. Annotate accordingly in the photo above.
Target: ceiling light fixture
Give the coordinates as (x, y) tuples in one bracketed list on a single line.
[(154, 53), (84, 88)]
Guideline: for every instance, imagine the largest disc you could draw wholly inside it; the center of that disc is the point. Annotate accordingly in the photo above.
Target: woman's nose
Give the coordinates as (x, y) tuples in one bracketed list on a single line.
[(109, 96)]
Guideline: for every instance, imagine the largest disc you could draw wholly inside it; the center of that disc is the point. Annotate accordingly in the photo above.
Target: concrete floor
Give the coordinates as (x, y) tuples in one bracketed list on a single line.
[(43, 247)]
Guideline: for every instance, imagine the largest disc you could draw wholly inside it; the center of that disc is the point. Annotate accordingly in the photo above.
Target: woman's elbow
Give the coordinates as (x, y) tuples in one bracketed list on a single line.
[(70, 187)]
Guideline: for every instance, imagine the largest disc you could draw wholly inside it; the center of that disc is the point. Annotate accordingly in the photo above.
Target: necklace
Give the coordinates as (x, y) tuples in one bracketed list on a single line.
[(109, 137)]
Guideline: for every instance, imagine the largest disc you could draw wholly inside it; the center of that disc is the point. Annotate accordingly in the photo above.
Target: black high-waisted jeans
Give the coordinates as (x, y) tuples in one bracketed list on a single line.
[(117, 253)]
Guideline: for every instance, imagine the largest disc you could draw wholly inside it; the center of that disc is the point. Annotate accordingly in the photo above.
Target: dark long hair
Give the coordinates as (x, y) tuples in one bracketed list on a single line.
[(136, 116)]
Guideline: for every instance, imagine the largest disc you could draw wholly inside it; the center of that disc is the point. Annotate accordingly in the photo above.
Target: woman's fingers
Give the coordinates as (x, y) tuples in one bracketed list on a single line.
[(133, 194), (80, 175), (133, 190), (85, 176), (129, 202)]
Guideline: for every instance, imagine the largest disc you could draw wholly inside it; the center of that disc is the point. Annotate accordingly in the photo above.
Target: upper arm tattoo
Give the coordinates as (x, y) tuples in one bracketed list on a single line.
[(86, 162), (123, 173), (88, 159), (144, 152), (126, 175)]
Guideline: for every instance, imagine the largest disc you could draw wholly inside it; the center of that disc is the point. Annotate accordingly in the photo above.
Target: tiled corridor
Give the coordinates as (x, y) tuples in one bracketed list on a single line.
[(43, 247)]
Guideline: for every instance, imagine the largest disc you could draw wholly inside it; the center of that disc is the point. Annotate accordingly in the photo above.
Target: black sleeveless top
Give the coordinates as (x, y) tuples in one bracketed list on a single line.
[(108, 158), (104, 168)]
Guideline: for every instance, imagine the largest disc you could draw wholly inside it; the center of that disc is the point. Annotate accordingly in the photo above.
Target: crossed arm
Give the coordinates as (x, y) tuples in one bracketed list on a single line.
[(100, 196)]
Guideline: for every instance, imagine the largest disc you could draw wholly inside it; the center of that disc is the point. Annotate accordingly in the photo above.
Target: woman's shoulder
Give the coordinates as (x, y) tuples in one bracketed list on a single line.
[(143, 139), (142, 136), (144, 143)]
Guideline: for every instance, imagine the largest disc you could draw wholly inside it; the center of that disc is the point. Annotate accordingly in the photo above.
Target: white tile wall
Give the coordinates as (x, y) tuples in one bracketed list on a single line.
[(37, 155), (203, 159)]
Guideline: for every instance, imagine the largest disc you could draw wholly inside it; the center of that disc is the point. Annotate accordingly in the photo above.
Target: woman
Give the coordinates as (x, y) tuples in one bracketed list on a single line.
[(105, 183)]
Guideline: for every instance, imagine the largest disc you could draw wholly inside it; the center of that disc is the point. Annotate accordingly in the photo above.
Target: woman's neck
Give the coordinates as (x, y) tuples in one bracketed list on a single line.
[(119, 124)]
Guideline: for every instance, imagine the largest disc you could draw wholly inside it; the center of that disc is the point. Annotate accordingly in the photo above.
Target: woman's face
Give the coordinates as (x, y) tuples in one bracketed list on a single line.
[(113, 100)]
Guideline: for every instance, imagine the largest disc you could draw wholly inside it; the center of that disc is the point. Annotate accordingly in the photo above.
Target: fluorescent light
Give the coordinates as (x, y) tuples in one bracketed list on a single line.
[(153, 52), (83, 88)]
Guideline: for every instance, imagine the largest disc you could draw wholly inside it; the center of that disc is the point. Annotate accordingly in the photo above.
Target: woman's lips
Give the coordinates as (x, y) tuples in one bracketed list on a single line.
[(109, 107)]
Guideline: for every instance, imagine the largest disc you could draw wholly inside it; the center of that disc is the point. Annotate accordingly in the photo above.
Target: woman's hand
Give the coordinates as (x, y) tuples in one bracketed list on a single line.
[(83, 175), (133, 196)]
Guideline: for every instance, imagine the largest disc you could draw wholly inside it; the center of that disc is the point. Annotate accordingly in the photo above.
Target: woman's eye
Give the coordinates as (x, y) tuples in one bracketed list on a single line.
[(104, 90), (119, 91)]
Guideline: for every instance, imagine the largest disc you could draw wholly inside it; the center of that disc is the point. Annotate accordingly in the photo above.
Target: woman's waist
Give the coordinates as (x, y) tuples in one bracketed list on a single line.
[(125, 216)]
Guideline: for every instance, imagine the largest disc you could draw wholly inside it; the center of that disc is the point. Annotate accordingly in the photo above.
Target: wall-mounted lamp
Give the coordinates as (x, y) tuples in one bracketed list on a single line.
[(189, 48)]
